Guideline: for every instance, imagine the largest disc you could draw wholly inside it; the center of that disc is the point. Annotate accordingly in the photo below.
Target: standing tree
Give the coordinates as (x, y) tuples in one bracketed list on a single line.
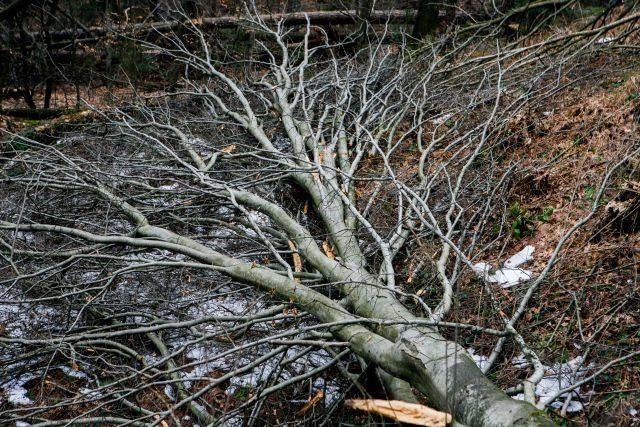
[(426, 20)]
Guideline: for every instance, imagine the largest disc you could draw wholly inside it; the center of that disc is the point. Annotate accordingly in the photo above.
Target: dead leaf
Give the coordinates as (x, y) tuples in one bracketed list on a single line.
[(410, 276), (297, 261), (312, 402), (403, 412), (229, 149), (328, 250), (305, 208)]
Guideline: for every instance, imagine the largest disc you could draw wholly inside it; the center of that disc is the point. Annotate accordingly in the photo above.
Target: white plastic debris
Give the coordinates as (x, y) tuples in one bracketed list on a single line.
[(525, 255), (558, 377), (506, 277), (509, 275)]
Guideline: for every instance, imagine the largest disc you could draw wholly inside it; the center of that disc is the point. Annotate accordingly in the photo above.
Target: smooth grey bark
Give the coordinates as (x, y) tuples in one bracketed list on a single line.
[(437, 367)]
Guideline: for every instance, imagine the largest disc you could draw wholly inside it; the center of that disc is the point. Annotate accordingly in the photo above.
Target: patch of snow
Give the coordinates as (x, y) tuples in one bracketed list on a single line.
[(558, 377), (25, 236), (70, 372), (15, 391), (481, 360), (520, 361), (89, 393), (442, 118), (150, 360), (168, 390), (195, 141), (89, 276), (17, 316), (605, 39), (170, 187), (505, 277)]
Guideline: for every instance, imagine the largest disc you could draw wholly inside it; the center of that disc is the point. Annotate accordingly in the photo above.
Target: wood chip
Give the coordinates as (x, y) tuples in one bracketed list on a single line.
[(328, 250), (403, 412), (312, 402), (297, 261)]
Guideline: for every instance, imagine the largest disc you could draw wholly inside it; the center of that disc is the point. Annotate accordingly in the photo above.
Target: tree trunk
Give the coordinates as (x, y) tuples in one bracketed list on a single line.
[(426, 20)]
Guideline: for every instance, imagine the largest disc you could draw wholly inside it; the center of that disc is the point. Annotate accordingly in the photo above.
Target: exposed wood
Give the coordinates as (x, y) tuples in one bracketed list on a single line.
[(410, 413)]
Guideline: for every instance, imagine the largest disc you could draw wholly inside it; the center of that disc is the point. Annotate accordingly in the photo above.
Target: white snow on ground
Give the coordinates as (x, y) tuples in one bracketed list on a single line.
[(509, 275), (558, 377), (72, 372), (520, 361), (168, 390), (90, 393), (170, 187), (26, 237), (481, 360), (605, 40), (16, 393), (442, 118), (17, 317), (261, 373)]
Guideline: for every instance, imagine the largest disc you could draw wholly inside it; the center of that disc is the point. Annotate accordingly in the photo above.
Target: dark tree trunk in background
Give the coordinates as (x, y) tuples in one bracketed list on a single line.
[(363, 10), (426, 19), (12, 9)]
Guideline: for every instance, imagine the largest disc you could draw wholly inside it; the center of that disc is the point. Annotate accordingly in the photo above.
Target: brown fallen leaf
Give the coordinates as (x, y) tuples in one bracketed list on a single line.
[(229, 149), (312, 402), (327, 249), (410, 413)]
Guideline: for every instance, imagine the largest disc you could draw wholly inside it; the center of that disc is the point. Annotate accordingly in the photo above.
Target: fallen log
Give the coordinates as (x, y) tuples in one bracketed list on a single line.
[(336, 17)]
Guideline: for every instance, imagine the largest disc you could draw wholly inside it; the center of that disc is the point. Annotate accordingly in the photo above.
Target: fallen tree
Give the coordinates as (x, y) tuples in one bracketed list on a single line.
[(291, 176)]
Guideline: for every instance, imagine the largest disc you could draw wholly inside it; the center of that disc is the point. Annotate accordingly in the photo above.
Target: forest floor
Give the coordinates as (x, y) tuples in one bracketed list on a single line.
[(590, 305)]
